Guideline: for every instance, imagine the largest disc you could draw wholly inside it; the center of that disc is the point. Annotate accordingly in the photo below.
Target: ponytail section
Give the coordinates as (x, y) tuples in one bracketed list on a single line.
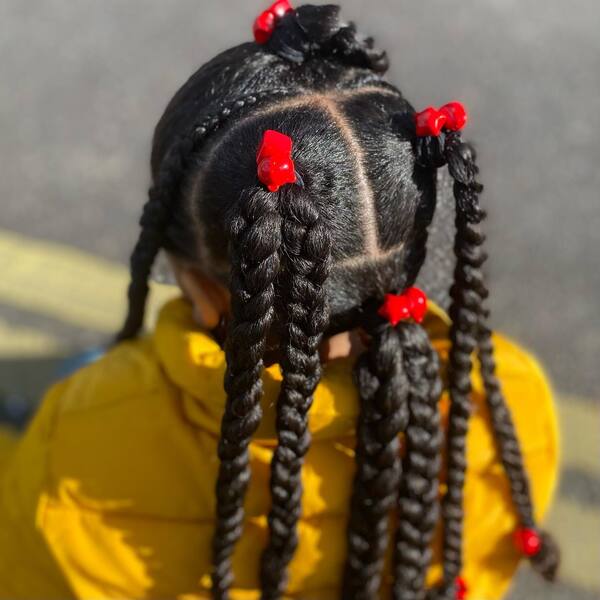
[(306, 246), (254, 248), (399, 387), (466, 294), (316, 32), (419, 491), (439, 142), (383, 391)]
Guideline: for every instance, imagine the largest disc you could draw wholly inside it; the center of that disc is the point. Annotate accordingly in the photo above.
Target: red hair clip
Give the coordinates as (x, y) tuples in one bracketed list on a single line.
[(527, 541), (264, 26), (274, 160), (411, 304), (431, 121)]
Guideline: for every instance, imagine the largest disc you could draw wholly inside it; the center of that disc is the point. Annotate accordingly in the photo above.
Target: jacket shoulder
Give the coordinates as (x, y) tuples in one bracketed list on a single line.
[(129, 370), (120, 442)]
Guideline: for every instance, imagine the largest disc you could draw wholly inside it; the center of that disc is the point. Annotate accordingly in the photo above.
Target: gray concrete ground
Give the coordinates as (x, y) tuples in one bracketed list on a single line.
[(84, 82)]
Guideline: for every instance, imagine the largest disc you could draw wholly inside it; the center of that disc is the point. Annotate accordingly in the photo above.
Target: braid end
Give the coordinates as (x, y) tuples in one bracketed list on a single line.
[(547, 561)]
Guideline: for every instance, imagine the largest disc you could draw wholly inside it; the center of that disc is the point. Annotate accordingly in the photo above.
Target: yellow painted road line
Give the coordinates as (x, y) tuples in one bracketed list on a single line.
[(577, 530), (21, 342), (580, 425), (66, 284), (576, 525)]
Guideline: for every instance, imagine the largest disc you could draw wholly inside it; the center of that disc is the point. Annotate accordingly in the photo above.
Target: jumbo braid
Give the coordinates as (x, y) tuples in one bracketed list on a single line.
[(418, 501), (254, 249), (383, 389), (303, 303), (467, 294), (163, 196), (547, 560)]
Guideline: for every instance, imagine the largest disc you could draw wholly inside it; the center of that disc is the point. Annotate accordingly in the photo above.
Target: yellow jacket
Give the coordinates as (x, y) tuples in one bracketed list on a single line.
[(110, 494)]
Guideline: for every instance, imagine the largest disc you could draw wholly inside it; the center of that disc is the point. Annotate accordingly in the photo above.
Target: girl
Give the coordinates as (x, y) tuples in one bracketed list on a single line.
[(301, 424)]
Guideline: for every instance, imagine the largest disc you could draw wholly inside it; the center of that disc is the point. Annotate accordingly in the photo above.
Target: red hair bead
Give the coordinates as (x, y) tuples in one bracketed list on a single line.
[(418, 303), (280, 8), (275, 166), (456, 116), (399, 307), (431, 121), (265, 23), (527, 541), (461, 588), (263, 27)]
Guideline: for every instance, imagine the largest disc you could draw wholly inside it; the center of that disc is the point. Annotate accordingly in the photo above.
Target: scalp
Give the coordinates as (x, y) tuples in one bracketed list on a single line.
[(361, 173)]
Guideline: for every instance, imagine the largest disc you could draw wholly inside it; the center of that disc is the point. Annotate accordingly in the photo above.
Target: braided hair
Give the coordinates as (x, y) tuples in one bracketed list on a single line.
[(255, 243), (470, 333), (305, 271), (315, 258)]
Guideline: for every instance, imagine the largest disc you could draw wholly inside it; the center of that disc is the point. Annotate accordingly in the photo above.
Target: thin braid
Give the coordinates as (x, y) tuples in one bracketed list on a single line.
[(305, 267), (546, 561), (161, 204), (502, 423), (254, 249), (418, 501), (468, 333), (154, 223), (383, 391), (467, 294)]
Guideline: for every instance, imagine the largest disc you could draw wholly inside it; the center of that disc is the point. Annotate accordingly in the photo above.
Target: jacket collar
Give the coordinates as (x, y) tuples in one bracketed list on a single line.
[(195, 363)]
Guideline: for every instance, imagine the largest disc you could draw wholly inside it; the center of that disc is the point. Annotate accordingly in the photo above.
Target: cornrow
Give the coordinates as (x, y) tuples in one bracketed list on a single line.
[(305, 267), (162, 200), (546, 560), (254, 248), (383, 391), (418, 500)]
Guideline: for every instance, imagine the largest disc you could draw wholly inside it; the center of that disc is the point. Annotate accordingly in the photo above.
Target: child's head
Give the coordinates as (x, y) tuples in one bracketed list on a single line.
[(357, 167), (317, 257)]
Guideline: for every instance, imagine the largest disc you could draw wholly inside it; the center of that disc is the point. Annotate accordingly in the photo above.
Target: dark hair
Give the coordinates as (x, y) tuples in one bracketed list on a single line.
[(317, 258)]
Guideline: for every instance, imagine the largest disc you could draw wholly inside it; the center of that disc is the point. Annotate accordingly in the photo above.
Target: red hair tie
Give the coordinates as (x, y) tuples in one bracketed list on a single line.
[(431, 121), (527, 541), (411, 304), (265, 23), (274, 160), (462, 589)]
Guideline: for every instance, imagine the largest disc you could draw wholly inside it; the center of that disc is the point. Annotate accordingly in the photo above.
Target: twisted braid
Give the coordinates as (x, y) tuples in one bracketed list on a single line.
[(255, 242), (306, 250), (467, 294), (383, 390), (418, 503), (546, 561), (469, 332), (162, 203)]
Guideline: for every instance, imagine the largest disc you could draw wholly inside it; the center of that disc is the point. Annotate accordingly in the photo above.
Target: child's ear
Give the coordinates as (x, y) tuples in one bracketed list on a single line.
[(210, 300)]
